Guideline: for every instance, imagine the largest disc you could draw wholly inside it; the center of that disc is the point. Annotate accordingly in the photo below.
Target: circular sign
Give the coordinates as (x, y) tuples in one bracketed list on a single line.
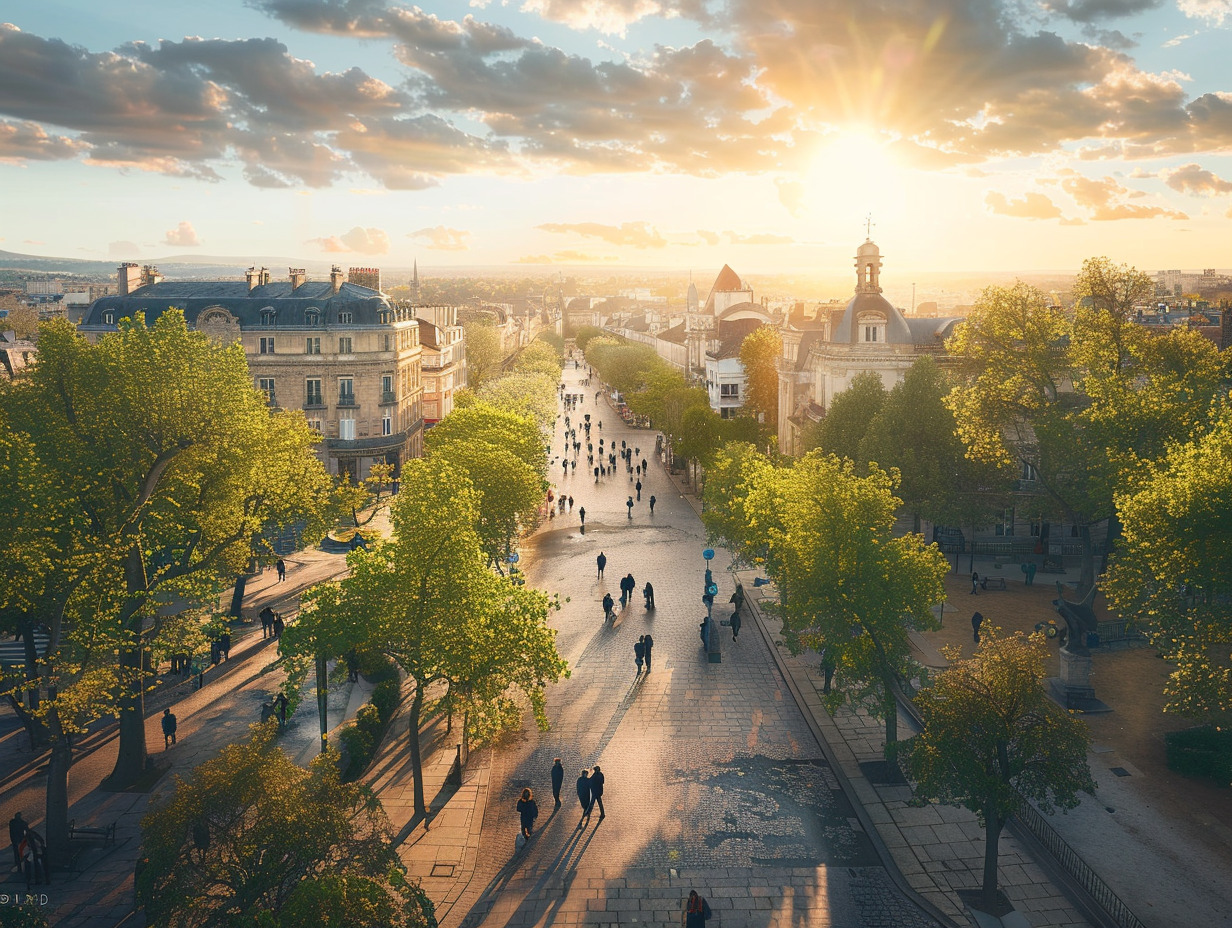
[(514, 557), (712, 589), (708, 553)]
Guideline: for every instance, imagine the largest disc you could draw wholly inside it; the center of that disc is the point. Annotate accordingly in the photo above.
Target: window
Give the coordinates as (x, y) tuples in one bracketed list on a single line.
[(344, 345), (109, 318), (387, 343), (346, 429), (314, 396), (267, 345), (344, 318), (346, 391), (1005, 525), (312, 317), (387, 383), (312, 345), (872, 333), (387, 424), (266, 386), (1029, 472), (315, 425), (269, 315), (729, 390)]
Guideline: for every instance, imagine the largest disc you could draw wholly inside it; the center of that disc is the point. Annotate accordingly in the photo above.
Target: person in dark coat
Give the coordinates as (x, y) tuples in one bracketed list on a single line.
[(281, 567), (652, 502), (705, 632), (596, 790), (609, 606), (735, 625), (528, 810), (976, 621), (629, 503), (639, 491), (169, 726), (601, 560), (648, 592), (38, 858), (558, 780), (267, 621), (17, 833), (639, 654), (224, 645), (583, 793), (648, 642), (975, 583), (696, 911), (582, 515), (279, 626)]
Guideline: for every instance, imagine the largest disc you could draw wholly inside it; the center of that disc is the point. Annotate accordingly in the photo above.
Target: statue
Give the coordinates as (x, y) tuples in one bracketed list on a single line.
[(1079, 621)]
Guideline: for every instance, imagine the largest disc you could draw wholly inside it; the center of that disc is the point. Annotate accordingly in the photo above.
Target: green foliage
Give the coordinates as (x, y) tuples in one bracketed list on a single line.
[(22, 916), (250, 835), (759, 354), (584, 335), (1205, 752), (483, 351), (735, 469), (553, 341), (481, 422), (993, 738), (524, 393), (848, 418)]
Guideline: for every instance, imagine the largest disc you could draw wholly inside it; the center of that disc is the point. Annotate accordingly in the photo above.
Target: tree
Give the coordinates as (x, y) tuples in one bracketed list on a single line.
[(848, 417), (993, 739), (584, 334), (251, 837), (846, 583), (759, 355), (698, 437), (166, 465), (735, 469), (483, 422), (483, 351), (526, 393), (22, 318), (427, 599), (1173, 571)]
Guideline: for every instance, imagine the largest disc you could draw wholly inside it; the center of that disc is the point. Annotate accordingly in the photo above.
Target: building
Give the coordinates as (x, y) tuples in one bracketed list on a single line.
[(343, 353), (444, 359), (823, 355)]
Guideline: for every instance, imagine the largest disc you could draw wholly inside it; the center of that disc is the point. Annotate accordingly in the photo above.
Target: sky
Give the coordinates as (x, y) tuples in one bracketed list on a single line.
[(977, 134)]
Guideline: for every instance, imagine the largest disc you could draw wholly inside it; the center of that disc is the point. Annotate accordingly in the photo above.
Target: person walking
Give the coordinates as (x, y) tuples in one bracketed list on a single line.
[(976, 621), (558, 780), (609, 611), (648, 592), (696, 911), (596, 790), (583, 794), (630, 505), (528, 811), (648, 644), (639, 491), (975, 583), (281, 567), (601, 560), (1031, 568), (279, 625), (639, 654), (267, 622), (37, 846), (652, 502), (735, 625), (169, 726), (582, 515), (17, 833)]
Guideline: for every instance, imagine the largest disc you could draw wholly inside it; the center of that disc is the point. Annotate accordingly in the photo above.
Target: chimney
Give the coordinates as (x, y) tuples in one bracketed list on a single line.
[(298, 275), (335, 279), (369, 277), (250, 275), (263, 276), (150, 275), (129, 277)]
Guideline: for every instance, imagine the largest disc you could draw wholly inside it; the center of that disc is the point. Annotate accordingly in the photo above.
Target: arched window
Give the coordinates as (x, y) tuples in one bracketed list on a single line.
[(109, 317), (269, 315), (312, 316)]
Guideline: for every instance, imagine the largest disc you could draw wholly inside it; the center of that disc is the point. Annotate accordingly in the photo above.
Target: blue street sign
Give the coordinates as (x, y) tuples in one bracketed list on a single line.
[(712, 589), (708, 554), (514, 558)]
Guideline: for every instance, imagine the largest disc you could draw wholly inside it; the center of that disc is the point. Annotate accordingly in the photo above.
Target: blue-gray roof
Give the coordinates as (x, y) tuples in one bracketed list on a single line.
[(290, 306)]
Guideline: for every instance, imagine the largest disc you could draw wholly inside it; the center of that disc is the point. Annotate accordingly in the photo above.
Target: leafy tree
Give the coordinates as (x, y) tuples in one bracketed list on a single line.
[(735, 469), (250, 837), (848, 417), (22, 318), (1173, 571), (584, 334), (759, 355), (699, 435), (846, 583), (992, 738), (360, 503), (483, 351), (526, 393), (483, 422), (428, 601)]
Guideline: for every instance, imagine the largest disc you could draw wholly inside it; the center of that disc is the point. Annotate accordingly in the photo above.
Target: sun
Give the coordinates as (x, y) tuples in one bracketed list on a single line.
[(852, 173)]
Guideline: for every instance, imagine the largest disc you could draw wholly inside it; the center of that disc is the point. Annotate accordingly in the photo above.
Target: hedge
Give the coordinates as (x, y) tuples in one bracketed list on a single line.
[(1205, 751), (363, 736)]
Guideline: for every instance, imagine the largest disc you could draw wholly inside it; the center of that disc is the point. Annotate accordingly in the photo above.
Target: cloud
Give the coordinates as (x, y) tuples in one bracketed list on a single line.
[(710, 238), (1214, 11), (182, 236), (1194, 179), (633, 234), (1085, 11), (566, 257), (1103, 200), (758, 238), (443, 238), (364, 241), (28, 141), (122, 249), (1030, 206), (608, 16)]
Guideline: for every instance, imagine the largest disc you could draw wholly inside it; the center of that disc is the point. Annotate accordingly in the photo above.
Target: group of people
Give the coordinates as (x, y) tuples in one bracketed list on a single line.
[(272, 625), (643, 650), (29, 851), (627, 587)]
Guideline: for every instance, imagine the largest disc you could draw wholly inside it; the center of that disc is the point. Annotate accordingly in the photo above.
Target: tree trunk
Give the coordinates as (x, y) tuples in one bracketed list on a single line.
[(131, 756), (421, 807), (889, 706), (992, 836), (323, 701), (56, 826), (1087, 578)]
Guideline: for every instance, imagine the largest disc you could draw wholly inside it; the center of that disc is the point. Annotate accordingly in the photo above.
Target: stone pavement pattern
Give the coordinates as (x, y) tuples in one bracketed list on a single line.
[(714, 779)]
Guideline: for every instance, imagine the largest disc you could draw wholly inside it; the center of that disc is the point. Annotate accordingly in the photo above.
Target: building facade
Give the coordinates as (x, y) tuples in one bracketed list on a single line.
[(343, 353), (444, 359)]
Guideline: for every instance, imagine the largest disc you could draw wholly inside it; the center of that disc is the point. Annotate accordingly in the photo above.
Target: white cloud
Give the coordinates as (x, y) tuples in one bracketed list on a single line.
[(182, 236)]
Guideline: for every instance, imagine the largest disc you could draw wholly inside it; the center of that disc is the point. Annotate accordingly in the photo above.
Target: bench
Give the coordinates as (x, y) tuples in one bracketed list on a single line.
[(88, 832), (992, 583)]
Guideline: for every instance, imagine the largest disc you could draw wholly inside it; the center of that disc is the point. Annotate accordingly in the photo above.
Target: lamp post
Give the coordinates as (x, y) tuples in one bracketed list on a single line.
[(710, 589)]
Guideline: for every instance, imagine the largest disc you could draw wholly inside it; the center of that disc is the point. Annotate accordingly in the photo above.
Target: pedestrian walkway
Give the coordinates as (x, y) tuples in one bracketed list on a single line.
[(714, 778)]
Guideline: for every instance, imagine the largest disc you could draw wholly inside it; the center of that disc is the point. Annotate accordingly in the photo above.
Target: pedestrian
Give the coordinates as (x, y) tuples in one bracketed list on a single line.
[(652, 502), (224, 644), (281, 567), (558, 779), (639, 491), (601, 560), (582, 515), (648, 641), (629, 504), (609, 611), (267, 622), (279, 625), (735, 625), (828, 666), (583, 794), (975, 583), (169, 726), (977, 619), (1031, 568), (696, 911), (705, 632), (17, 834), (632, 585), (624, 592), (571, 504), (639, 654), (596, 790), (528, 811), (648, 592), (280, 705), (38, 857)]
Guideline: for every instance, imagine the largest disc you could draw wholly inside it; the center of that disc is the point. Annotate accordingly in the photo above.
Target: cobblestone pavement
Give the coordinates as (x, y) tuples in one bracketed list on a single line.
[(714, 779)]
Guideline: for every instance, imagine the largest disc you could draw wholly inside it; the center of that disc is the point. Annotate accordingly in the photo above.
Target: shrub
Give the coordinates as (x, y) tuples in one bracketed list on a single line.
[(385, 698), (1205, 751)]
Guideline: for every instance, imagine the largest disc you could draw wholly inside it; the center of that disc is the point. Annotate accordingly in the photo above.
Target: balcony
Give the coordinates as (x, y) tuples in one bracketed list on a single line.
[(388, 398), (314, 401), (346, 400)]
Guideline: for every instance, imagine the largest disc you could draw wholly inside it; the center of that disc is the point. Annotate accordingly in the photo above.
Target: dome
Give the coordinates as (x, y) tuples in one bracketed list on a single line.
[(868, 250), (864, 305)]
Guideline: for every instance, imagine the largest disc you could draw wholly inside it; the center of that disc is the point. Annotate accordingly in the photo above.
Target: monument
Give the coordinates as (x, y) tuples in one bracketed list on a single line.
[(1073, 688)]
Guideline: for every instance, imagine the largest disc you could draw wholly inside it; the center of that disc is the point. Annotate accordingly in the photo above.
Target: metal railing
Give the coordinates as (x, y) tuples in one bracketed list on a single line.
[(388, 397), (1099, 891), (346, 399)]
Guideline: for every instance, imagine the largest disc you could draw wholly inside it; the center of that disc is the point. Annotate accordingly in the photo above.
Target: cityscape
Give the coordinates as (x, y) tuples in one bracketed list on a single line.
[(802, 426)]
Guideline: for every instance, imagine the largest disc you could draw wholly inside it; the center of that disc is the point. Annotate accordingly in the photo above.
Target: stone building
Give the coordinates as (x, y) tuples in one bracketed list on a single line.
[(343, 353), (444, 359)]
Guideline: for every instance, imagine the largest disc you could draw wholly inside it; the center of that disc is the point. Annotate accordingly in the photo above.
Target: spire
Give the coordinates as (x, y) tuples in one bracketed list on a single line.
[(415, 283)]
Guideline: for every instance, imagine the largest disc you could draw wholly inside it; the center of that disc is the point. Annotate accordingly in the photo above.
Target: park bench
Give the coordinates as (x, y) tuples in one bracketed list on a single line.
[(89, 832), (993, 583)]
